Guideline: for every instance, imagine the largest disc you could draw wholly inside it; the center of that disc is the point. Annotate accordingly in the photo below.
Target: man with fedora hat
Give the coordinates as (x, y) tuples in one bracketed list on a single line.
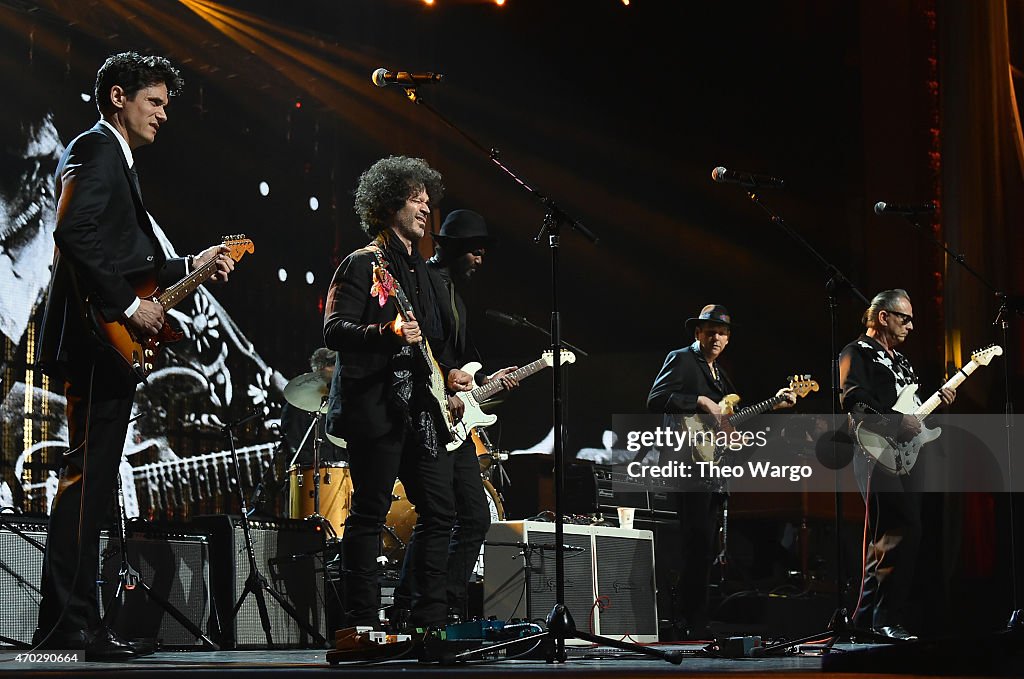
[(692, 381), (459, 251)]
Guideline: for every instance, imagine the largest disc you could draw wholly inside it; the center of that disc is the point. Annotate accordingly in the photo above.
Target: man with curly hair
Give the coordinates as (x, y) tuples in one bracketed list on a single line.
[(105, 246), (379, 400)]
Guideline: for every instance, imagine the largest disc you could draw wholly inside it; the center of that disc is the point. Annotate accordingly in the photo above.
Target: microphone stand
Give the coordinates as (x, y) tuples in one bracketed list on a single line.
[(523, 322), (840, 625), (1006, 304), (560, 624), (256, 583)]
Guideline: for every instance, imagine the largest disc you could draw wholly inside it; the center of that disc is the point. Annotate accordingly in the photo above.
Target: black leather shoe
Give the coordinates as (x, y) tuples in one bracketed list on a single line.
[(60, 640), (896, 632), (105, 646)]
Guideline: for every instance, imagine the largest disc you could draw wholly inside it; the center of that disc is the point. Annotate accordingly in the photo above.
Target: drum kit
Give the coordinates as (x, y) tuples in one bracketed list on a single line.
[(322, 491)]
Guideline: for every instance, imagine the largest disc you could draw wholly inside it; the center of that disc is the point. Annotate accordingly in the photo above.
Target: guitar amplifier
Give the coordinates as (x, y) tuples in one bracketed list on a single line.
[(289, 556), (608, 577), (21, 566), (600, 489), (176, 567)]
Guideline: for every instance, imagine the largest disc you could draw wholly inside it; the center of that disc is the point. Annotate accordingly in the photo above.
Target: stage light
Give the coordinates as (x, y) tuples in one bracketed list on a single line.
[(86, 97), (309, 277), (298, 103), (428, 2), (264, 189), (282, 275), (625, 2), (314, 204), (499, 3)]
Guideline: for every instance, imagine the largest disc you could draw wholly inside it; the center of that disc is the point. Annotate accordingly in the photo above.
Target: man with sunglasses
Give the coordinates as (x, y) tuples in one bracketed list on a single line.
[(873, 373)]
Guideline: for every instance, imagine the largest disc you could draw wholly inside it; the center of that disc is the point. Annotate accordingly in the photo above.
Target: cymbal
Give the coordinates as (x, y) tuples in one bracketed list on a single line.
[(307, 392), (340, 442)]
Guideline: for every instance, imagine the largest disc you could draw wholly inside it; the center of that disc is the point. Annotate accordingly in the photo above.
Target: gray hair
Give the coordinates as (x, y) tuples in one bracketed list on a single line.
[(883, 301), (321, 358)]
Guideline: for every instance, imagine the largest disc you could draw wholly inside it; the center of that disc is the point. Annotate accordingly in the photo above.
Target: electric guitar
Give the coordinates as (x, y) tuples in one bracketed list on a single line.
[(473, 415), (436, 382), (139, 353), (702, 435), (898, 458)]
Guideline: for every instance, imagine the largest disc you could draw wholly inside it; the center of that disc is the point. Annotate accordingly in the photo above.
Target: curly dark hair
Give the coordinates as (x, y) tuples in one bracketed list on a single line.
[(133, 72), (387, 184), (322, 358)]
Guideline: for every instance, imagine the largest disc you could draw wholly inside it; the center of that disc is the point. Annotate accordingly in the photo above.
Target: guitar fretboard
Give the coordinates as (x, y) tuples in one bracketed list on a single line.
[(485, 392), (762, 407), (955, 381), (170, 297)]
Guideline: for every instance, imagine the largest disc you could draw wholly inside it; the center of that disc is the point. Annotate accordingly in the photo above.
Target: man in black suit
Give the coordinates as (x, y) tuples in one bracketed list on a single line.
[(105, 246), (379, 400), (693, 381)]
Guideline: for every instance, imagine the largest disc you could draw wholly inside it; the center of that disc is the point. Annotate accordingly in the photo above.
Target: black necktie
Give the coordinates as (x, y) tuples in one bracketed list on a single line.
[(135, 179)]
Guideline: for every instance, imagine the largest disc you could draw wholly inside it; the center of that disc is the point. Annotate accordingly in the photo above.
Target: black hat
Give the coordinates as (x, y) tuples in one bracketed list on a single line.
[(712, 313), (463, 225)]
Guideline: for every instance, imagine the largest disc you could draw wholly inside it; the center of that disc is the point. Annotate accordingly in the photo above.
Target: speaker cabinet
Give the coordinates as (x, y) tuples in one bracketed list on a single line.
[(21, 566), (289, 556), (176, 567), (608, 573)]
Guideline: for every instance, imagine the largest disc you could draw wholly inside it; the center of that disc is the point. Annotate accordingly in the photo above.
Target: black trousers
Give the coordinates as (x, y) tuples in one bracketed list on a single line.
[(374, 465), (894, 541), (99, 405), (472, 519), (698, 527)]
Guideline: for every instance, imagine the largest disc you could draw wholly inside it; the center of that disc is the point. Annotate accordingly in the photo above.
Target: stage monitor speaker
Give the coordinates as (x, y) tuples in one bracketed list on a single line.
[(287, 556), (21, 565), (609, 578), (176, 566)]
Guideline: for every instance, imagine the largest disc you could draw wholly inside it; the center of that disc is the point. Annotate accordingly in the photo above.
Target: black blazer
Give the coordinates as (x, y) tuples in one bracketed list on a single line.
[(683, 378), (358, 406), (104, 245)]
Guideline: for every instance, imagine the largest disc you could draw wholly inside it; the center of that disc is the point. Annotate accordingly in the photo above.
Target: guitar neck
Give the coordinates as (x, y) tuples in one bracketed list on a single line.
[(955, 381), (488, 390), (762, 407), (170, 297)]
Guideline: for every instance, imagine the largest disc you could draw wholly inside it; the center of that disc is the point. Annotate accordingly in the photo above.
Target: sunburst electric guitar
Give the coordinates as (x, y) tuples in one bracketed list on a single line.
[(899, 458), (139, 353), (704, 448), (473, 415)]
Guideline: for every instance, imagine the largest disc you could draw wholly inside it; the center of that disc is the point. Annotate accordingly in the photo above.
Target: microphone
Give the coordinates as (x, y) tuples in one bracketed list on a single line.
[(507, 319), (882, 208), (382, 77), (746, 179)]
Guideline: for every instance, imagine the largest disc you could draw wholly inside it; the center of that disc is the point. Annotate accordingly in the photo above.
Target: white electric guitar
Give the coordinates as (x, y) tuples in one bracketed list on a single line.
[(474, 416), (899, 458)]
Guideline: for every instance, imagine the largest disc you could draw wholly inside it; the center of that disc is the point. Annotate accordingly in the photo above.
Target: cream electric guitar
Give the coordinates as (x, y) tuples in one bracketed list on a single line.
[(436, 383), (474, 416), (702, 436), (899, 458)]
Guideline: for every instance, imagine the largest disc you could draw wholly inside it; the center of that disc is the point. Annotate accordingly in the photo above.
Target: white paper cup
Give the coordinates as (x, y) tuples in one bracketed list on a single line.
[(626, 517)]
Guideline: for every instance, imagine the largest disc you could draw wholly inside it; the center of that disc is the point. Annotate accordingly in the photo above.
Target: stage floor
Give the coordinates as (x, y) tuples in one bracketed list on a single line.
[(999, 657)]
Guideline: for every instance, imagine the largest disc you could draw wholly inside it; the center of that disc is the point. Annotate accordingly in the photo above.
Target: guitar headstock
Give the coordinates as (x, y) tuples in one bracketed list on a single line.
[(985, 356), (802, 385), (566, 357), (238, 246)]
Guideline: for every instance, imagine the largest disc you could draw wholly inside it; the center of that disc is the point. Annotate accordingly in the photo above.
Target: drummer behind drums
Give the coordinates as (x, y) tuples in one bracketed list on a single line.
[(459, 251), (295, 421)]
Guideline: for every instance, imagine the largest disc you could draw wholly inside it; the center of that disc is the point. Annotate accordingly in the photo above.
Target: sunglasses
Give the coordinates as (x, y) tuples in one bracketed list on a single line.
[(904, 319)]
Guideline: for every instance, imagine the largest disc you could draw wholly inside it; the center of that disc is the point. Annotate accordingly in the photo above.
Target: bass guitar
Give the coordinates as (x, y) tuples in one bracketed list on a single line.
[(139, 353), (898, 458), (705, 438), (473, 415)]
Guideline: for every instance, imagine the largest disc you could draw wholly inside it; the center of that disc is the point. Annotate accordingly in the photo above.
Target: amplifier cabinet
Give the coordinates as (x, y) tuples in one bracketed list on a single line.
[(608, 573), (289, 556), (176, 567), (21, 566)]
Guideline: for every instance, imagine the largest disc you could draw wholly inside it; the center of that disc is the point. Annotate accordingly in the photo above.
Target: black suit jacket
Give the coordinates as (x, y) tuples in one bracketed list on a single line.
[(684, 377), (358, 406), (104, 245)]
